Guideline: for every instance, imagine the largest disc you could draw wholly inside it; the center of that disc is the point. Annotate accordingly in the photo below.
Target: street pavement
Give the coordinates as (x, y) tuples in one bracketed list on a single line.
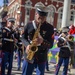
[(51, 68), (50, 72)]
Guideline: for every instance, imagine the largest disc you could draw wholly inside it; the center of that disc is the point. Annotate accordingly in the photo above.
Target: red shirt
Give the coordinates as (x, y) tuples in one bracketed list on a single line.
[(72, 31)]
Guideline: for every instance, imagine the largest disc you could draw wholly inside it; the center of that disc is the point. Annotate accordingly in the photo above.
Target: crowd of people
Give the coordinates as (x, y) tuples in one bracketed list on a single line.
[(66, 44), (10, 42), (33, 44)]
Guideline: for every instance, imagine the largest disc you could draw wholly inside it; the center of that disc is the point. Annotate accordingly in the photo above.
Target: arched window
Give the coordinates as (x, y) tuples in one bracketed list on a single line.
[(50, 16), (60, 14)]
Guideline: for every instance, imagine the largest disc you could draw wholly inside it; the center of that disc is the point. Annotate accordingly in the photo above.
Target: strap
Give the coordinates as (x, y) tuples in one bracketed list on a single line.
[(6, 39), (34, 25)]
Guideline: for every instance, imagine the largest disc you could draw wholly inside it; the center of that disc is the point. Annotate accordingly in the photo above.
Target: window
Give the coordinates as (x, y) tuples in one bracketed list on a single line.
[(72, 16), (50, 17), (73, 1), (61, 12), (28, 12), (60, 16)]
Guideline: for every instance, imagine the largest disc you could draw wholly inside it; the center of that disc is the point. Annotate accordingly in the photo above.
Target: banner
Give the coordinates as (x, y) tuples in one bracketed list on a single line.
[(53, 52)]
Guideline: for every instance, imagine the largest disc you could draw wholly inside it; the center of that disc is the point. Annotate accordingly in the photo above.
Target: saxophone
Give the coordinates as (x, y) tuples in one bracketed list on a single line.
[(33, 46)]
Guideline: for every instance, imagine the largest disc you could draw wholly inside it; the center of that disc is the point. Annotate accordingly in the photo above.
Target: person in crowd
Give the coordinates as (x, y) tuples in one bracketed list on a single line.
[(70, 39), (43, 41), (3, 24), (19, 48), (64, 53), (72, 29), (56, 32), (7, 45)]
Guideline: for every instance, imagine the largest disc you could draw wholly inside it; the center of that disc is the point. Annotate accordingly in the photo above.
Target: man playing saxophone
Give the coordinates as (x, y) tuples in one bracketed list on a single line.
[(41, 42)]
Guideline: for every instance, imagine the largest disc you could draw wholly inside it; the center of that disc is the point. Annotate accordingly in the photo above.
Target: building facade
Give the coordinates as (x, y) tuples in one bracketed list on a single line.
[(23, 11)]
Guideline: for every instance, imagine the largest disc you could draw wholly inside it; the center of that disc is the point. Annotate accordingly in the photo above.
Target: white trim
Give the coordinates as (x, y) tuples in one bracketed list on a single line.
[(34, 25), (72, 10), (39, 3), (60, 9), (52, 6), (58, 1), (14, 7), (29, 1), (11, 40), (11, 2), (7, 29)]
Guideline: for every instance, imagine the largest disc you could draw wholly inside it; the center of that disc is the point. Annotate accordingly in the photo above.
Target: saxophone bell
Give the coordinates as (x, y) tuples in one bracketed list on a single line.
[(34, 48), (31, 52)]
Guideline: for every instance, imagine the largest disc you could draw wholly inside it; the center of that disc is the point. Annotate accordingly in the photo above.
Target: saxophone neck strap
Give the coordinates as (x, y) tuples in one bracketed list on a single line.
[(34, 24)]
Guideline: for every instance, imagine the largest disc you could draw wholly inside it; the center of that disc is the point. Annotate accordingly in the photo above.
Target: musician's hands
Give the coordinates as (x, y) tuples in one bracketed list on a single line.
[(27, 49), (38, 40), (15, 40)]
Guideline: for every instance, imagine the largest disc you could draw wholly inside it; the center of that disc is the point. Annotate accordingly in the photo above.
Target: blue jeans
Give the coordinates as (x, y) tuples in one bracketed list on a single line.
[(19, 59), (7, 57), (28, 68), (47, 66), (65, 61)]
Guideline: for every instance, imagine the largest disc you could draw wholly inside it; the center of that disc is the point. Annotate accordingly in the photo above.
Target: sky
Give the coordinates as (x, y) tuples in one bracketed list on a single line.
[(1, 2)]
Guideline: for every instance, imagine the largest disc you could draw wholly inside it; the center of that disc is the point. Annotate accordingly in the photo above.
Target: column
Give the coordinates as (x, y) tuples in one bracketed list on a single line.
[(66, 13)]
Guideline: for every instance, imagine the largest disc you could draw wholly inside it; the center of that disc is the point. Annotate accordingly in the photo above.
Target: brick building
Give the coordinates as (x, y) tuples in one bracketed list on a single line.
[(23, 11)]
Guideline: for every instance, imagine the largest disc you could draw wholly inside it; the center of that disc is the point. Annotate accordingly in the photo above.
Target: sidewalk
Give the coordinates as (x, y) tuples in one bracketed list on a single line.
[(51, 68)]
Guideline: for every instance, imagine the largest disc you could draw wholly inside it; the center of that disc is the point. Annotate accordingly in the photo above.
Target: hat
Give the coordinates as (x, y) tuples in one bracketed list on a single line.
[(41, 9), (11, 19)]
